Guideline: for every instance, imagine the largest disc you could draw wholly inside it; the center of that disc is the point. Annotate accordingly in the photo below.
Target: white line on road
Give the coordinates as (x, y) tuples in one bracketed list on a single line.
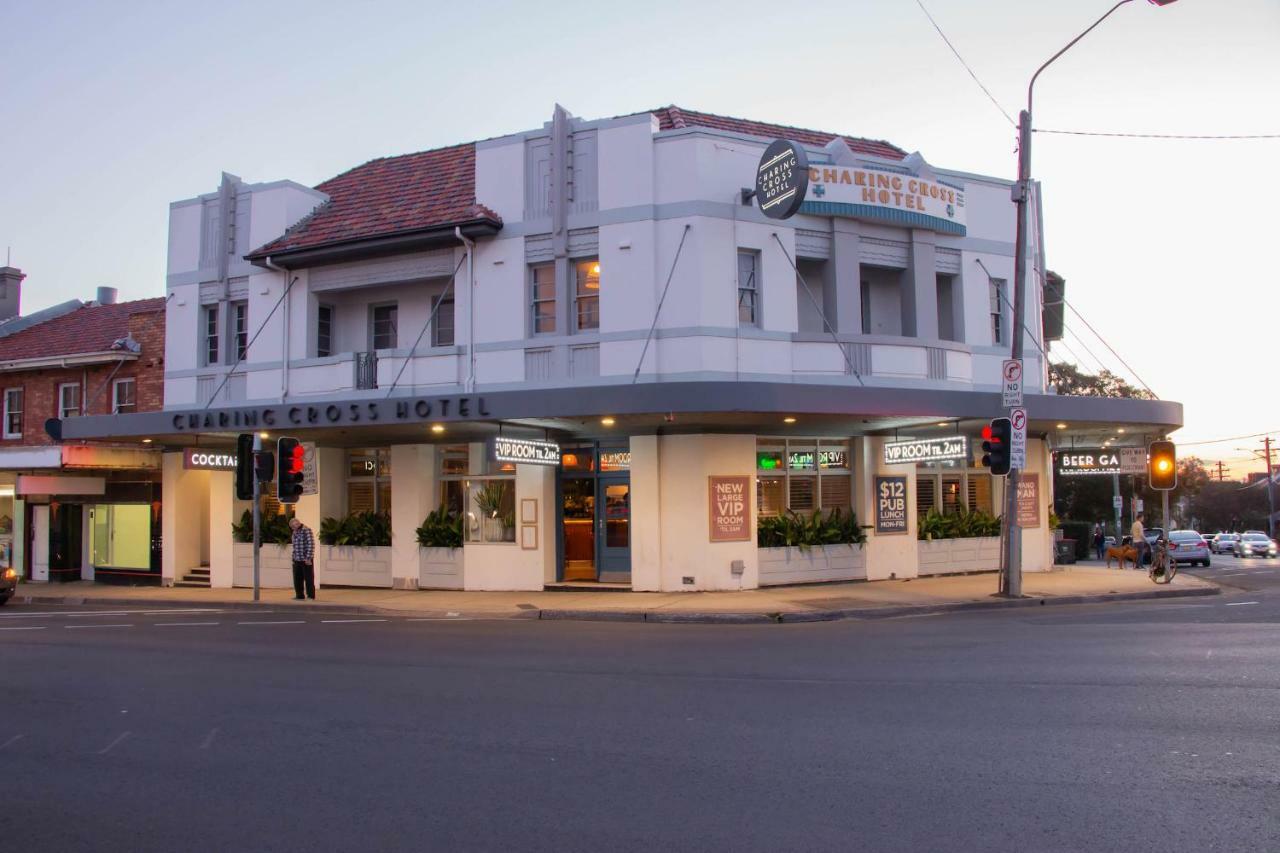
[(73, 627), (293, 622), (183, 624), (10, 742), (113, 744), (347, 621), (1232, 574), (38, 614), (208, 739), (25, 628), (1240, 603)]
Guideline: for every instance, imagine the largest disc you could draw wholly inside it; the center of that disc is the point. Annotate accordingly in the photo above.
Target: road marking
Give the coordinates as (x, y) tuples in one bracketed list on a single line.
[(290, 622), (25, 628), (1232, 574), (73, 627), (10, 742), (347, 621), (183, 624), (38, 614), (208, 739), (113, 744), (1240, 603), (441, 619)]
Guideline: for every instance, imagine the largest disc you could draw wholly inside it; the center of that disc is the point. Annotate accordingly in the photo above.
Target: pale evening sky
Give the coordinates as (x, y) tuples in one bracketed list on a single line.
[(111, 111)]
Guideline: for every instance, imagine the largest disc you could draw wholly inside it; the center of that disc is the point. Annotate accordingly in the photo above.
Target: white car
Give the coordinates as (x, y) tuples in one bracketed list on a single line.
[(1255, 545), (1224, 543)]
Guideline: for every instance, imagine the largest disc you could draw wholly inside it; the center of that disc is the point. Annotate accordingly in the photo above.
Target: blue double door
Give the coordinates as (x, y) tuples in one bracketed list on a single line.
[(595, 515)]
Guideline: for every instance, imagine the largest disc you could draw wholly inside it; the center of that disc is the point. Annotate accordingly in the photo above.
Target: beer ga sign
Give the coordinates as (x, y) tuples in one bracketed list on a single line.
[(730, 508)]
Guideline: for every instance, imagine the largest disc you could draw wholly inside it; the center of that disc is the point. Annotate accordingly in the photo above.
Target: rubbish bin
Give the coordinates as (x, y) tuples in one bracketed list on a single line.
[(1064, 551)]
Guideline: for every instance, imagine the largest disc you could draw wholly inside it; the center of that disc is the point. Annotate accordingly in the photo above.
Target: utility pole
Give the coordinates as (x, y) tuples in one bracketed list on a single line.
[(1221, 476), (1271, 494), (257, 513)]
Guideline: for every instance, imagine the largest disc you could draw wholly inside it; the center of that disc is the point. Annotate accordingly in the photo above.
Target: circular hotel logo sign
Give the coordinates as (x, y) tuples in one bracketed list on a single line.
[(782, 179)]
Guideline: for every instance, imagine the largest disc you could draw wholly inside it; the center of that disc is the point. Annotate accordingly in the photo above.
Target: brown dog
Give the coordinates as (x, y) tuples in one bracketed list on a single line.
[(1122, 553)]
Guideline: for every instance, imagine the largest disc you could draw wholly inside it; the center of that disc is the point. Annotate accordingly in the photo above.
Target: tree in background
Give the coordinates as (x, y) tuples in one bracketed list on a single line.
[(1231, 507), (1071, 381)]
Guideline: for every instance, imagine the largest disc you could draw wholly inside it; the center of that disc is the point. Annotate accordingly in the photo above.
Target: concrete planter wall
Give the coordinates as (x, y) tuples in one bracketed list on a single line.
[(952, 556), (343, 565), (275, 565), (440, 568), (812, 565)]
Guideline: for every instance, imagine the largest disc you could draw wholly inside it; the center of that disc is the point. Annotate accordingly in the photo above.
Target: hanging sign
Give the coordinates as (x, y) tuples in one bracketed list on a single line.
[(891, 504), (1087, 462), (1018, 438), (948, 448), (729, 508), (1029, 501), (525, 451), (782, 179)]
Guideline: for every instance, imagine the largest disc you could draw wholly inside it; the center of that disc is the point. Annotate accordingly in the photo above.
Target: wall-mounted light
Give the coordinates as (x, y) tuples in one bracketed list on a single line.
[(437, 428), (607, 421), (788, 420), (146, 441), (1062, 426), (264, 435)]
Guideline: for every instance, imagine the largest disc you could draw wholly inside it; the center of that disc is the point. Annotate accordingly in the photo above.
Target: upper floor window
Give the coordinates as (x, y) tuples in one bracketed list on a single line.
[(998, 335), (442, 325), (542, 283), (124, 396), (324, 331), (69, 400), (383, 320), (587, 294), (864, 296), (748, 287), (211, 334), (13, 413), (240, 328)]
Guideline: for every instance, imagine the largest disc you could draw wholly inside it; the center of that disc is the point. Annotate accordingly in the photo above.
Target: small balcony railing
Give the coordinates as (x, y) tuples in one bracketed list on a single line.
[(366, 370)]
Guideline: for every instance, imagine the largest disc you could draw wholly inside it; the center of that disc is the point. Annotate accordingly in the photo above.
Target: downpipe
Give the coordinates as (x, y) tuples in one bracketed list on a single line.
[(471, 308)]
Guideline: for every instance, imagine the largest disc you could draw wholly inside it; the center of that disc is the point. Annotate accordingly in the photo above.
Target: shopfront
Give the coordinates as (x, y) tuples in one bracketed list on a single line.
[(594, 500)]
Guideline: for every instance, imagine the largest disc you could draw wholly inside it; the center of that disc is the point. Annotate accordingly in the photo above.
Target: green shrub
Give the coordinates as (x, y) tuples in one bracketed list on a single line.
[(961, 524), (275, 529), (791, 529), (441, 529), (358, 530)]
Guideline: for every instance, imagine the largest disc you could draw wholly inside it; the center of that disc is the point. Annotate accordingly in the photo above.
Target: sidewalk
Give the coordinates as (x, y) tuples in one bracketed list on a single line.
[(821, 602)]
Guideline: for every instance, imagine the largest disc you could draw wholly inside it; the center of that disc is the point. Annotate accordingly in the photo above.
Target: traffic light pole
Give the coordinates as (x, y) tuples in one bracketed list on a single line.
[(257, 513)]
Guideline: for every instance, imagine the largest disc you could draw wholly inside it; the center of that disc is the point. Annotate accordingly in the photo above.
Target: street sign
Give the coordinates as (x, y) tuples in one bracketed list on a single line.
[(1012, 373), (1137, 504), (1117, 502), (1018, 438), (1133, 460)]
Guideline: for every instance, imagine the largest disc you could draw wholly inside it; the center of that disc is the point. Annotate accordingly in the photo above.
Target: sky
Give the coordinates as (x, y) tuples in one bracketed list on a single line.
[(112, 111)]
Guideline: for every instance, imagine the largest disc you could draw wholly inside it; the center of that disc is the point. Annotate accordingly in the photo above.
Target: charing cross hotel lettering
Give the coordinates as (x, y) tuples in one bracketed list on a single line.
[(334, 414)]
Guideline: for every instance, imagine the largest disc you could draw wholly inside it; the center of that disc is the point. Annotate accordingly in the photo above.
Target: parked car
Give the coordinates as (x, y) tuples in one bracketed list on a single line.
[(8, 584), (1255, 545), (1188, 546), (1225, 543)]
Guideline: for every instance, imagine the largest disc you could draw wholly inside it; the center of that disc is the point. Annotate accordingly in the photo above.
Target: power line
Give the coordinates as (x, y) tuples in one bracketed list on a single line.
[(985, 90), (1159, 135), (1229, 438), (1085, 346), (1111, 348)]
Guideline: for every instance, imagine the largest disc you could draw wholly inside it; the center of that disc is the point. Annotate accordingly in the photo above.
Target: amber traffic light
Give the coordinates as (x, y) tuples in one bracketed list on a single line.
[(1162, 465)]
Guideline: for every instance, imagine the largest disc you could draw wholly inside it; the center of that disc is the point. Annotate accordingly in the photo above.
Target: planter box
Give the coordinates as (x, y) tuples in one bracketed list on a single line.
[(812, 565), (348, 566), (953, 556), (275, 565), (440, 568)]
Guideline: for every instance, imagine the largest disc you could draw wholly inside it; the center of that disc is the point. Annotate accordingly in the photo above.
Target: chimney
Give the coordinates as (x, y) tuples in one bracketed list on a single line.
[(107, 295), (10, 292)]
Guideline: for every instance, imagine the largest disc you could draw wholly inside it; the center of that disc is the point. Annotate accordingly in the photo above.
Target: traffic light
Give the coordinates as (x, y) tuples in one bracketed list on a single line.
[(290, 460), (1162, 465), (244, 467), (996, 441), (264, 466)]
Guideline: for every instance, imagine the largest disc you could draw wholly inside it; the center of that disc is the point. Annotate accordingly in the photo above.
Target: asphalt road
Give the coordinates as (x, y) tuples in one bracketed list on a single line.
[(1136, 726)]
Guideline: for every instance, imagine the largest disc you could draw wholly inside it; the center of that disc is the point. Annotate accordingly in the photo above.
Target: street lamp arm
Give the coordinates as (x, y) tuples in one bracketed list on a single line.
[(1070, 44)]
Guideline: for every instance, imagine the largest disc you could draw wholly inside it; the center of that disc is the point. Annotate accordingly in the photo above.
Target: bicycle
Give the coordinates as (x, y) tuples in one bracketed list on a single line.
[(1163, 567)]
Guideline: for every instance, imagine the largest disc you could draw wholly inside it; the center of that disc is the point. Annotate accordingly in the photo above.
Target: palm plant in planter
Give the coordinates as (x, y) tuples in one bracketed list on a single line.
[(358, 530), (791, 529), (274, 529), (961, 524), (440, 529), (489, 499)]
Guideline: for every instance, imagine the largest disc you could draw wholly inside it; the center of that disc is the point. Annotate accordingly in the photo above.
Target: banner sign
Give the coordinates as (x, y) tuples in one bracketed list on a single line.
[(865, 193), (1100, 461), (525, 451), (198, 459), (1029, 500), (951, 447), (729, 508), (891, 504)]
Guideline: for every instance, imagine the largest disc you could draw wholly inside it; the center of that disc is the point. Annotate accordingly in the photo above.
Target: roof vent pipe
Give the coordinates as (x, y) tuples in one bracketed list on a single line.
[(107, 295)]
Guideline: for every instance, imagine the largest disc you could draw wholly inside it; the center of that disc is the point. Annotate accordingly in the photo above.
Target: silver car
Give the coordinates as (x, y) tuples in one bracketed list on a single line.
[(1255, 545), (1188, 546), (1224, 543)]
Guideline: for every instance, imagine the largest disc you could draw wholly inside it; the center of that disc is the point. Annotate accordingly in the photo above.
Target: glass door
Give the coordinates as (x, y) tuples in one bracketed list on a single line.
[(614, 522), (578, 514)]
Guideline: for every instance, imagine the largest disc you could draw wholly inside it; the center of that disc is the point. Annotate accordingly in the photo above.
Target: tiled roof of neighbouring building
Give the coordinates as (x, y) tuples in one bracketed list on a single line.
[(91, 328), (436, 189)]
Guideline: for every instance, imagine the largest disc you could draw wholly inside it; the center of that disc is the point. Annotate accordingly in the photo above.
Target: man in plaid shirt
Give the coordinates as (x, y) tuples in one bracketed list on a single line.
[(304, 567)]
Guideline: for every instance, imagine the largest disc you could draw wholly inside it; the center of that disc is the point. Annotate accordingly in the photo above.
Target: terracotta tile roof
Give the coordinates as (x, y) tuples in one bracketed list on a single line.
[(433, 189), (673, 118), (388, 196), (91, 328)]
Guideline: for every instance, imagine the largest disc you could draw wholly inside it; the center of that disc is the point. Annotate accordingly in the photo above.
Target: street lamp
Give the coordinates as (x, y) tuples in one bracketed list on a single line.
[(1011, 558)]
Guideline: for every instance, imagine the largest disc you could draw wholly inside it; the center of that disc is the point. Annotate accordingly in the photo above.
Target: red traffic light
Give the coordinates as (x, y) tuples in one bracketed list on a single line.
[(297, 459)]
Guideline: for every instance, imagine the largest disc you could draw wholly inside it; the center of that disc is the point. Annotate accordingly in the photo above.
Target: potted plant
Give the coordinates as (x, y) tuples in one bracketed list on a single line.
[(488, 500), (440, 529)]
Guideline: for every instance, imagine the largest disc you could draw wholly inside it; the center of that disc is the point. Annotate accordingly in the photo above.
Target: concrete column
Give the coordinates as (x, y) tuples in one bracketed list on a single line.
[(221, 513), (888, 554), (538, 483), (843, 294), (646, 515), (184, 519), (413, 496), (1037, 542), (920, 288)]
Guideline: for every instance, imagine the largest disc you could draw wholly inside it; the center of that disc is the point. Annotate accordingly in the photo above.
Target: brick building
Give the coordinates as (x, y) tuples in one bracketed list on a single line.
[(78, 509)]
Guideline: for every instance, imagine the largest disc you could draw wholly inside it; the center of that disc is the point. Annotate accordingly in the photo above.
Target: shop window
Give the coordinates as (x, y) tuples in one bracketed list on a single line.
[(442, 326), (951, 494), (864, 297), (581, 460), (587, 294), (69, 400), (240, 328), (211, 334), (748, 287), (453, 463), (770, 495), (802, 475), (369, 480), (124, 396), (13, 412), (542, 286), (980, 492), (926, 493), (324, 331), (383, 322), (491, 510), (837, 492)]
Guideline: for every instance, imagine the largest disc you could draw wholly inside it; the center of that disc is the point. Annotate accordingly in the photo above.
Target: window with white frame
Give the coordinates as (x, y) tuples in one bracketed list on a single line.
[(324, 331), (864, 296), (124, 396), (542, 298), (240, 329), (586, 298), (442, 329), (13, 413), (383, 322), (748, 287), (997, 311), (211, 334), (803, 475), (369, 480), (69, 400), (950, 487), (484, 494)]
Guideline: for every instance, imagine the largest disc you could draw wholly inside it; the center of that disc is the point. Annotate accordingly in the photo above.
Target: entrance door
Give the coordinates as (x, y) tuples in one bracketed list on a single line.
[(39, 543), (578, 509), (614, 523)]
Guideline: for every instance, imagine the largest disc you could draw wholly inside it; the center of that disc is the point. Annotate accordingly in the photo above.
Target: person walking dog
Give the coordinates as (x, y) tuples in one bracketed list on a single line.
[(304, 566)]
